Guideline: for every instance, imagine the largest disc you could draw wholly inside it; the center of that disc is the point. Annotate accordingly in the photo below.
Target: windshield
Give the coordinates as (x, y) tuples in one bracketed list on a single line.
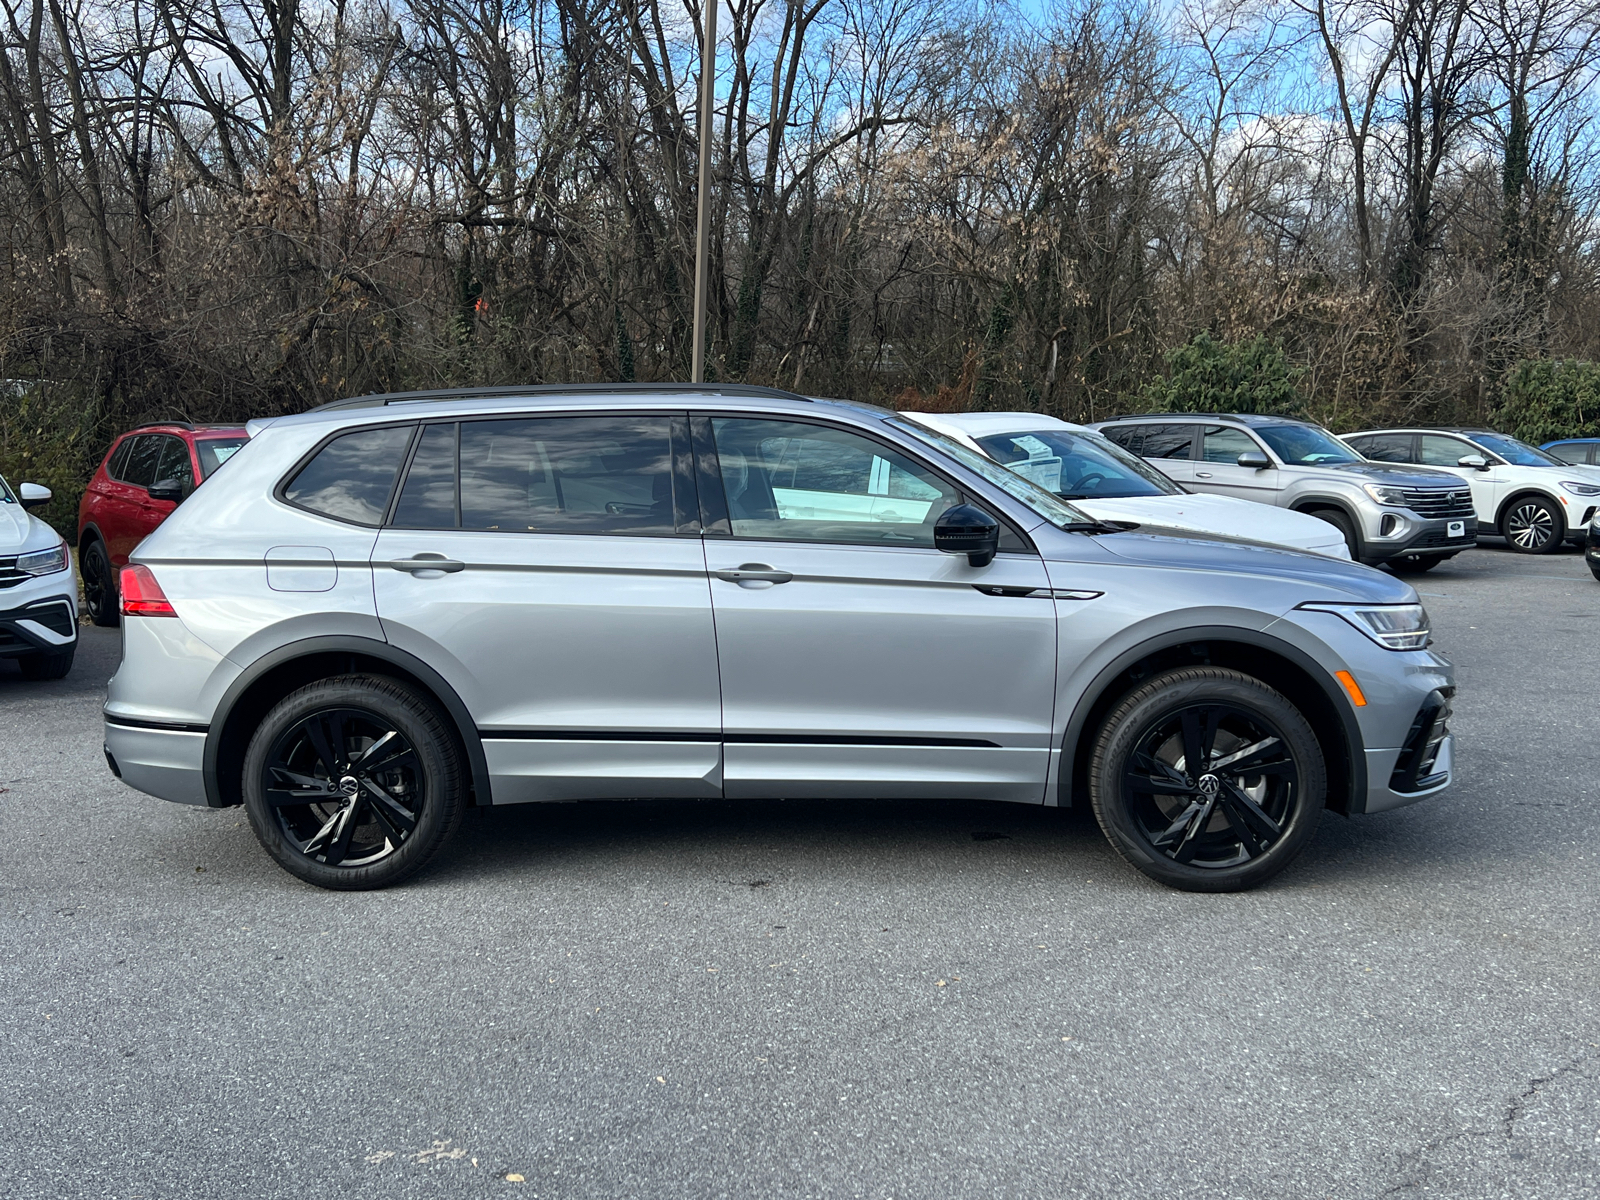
[(1306, 445), (1517, 453), (1046, 504), (1076, 466), (216, 451)]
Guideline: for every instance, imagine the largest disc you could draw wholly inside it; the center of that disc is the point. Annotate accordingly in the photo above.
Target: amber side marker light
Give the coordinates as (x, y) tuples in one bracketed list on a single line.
[(142, 595), (1351, 687)]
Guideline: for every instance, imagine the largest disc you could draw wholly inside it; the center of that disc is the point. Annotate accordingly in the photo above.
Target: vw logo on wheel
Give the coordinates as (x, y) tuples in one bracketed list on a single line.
[(350, 785), (1209, 785)]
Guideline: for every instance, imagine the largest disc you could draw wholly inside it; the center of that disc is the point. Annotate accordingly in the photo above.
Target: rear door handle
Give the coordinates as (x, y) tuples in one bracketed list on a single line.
[(754, 573), (422, 563)]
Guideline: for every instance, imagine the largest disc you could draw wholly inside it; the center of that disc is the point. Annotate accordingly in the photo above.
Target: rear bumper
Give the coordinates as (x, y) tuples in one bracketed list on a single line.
[(161, 760)]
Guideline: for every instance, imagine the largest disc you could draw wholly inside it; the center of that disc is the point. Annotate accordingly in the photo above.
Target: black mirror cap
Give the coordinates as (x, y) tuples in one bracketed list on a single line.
[(167, 489), (970, 531), (1254, 460)]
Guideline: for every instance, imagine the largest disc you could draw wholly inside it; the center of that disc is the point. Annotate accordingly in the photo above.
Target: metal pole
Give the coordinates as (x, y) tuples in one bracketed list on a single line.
[(702, 249)]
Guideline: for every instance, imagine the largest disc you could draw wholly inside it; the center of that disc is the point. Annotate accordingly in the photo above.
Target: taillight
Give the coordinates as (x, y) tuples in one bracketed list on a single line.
[(142, 595)]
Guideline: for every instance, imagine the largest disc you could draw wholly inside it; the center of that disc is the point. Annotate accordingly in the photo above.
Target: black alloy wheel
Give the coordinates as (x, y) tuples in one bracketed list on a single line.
[(1533, 526), (353, 782), (99, 585), (1207, 780)]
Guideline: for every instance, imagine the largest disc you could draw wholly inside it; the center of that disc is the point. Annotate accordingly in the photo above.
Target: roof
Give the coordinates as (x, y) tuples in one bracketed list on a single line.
[(188, 427), (1252, 419), (558, 390), (982, 423)]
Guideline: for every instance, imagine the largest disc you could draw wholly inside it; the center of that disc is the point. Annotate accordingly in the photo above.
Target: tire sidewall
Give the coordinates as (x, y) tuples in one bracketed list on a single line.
[(439, 764), (1157, 699), (107, 615)]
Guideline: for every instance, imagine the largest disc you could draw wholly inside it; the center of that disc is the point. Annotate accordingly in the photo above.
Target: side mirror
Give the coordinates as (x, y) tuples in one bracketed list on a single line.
[(1476, 461), (167, 489), (32, 495), (1254, 460), (970, 531)]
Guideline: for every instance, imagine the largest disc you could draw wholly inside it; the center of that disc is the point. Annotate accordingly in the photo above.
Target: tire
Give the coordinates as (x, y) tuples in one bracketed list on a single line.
[(40, 667), (1345, 527), (401, 808), (1533, 525), (1416, 563), (99, 585), (1230, 834), (1595, 571)]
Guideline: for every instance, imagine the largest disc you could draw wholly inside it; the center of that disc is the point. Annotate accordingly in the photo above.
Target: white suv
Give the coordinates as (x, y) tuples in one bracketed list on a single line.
[(38, 596), (1534, 501)]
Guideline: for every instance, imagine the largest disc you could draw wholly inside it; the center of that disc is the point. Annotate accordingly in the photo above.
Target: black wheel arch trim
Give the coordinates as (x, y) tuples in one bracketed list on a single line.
[(1310, 502), (466, 727), (1528, 492), (1355, 802)]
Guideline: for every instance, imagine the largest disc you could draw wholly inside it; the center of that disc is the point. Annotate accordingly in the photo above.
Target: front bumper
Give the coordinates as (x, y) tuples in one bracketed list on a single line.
[(1420, 535), (37, 624)]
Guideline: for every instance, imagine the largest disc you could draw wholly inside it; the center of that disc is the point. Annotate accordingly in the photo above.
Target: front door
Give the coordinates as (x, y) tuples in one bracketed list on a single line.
[(1445, 452), (556, 580), (1218, 470), (856, 660)]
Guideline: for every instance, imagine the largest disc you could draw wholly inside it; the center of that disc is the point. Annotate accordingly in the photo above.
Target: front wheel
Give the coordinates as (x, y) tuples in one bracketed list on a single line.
[(1416, 562), (40, 667), (1345, 527), (1533, 526), (353, 783), (1207, 780)]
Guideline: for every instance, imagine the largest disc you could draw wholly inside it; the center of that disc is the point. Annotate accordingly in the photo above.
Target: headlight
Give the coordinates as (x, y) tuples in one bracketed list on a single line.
[(43, 562), (1392, 626), (1581, 489), (1385, 495)]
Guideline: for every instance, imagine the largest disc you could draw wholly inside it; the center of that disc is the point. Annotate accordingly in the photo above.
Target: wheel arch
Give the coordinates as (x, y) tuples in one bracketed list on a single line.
[(1522, 493), (1309, 505), (1276, 663), (278, 672)]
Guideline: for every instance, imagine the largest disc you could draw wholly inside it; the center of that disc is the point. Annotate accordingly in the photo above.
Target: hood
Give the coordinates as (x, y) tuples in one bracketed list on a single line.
[(1393, 474), (1226, 515), (1186, 550), (21, 531)]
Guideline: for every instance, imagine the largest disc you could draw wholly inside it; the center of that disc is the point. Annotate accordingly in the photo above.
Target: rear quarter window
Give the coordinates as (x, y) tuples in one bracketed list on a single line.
[(352, 477)]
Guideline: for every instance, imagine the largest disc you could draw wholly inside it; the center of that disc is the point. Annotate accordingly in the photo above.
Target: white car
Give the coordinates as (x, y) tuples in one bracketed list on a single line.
[(1534, 501), (38, 595), (1107, 482)]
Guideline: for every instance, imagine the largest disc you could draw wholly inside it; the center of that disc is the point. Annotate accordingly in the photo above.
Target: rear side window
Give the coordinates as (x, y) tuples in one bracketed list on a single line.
[(1576, 453), (1167, 441), (175, 463), (144, 459), (118, 463), (428, 500), (352, 477), (1387, 447)]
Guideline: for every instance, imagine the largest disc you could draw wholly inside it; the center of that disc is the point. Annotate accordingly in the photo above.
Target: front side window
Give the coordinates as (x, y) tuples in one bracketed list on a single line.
[(1221, 444), (1437, 450), (213, 452), (601, 474), (143, 460), (1077, 466), (1573, 453), (1509, 448), (5, 492), (1306, 445), (352, 477), (795, 481)]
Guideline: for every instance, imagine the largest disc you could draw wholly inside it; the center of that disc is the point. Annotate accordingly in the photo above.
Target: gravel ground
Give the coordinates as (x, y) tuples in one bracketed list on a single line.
[(831, 1000)]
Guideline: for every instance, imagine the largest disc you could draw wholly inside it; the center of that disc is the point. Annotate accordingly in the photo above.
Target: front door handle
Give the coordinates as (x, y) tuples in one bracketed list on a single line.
[(1202, 474), (430, 565), (748, 573)]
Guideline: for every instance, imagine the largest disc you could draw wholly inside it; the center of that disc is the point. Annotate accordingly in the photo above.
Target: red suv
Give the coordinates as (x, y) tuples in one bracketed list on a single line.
[(144, 476)]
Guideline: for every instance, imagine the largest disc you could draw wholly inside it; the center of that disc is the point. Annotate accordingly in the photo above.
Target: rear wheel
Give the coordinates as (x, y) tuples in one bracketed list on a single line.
[(1207, 780), (99, 584), (1532, 525), (48, 666), (353, 783), (1345, 527)]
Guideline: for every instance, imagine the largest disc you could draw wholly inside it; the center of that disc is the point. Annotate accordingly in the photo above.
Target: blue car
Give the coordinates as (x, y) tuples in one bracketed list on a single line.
[(1577, 451)]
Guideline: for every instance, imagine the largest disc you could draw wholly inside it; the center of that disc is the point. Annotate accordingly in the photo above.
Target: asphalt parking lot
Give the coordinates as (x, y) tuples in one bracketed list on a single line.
[(830, 1000)]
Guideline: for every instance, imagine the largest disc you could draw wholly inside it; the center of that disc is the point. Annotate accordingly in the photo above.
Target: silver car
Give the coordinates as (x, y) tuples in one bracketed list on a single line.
[(394, 607)]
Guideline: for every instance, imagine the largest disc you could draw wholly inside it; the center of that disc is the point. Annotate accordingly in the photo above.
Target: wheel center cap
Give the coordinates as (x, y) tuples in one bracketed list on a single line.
[(350, 786), (1209, 785)]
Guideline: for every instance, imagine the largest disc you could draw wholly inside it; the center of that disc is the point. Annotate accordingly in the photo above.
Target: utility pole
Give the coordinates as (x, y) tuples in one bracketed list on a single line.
[(702, 249)]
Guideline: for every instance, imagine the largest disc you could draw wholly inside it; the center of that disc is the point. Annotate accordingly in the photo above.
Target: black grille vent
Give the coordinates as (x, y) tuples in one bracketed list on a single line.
[(1439, 502), (1440, 538), (1413, 770), (57, 618)]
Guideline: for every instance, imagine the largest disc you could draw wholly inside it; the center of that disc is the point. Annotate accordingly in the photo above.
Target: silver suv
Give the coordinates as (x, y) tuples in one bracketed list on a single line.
[(1407, 517), (391, 608)]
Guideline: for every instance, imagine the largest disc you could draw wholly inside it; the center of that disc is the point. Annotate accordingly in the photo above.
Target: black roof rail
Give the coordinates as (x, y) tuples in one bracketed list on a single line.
[(563, 389), (163, 425)]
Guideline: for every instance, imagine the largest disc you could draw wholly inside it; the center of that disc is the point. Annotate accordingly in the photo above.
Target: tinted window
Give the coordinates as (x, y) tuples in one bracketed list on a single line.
[(1167, 441), (118, 463), (568, 475), (1306, 445), (1386, 447), (1076, 466), (1440, 451), (352, 477), (213, 452), (1220, 444), (175, 462), (1575, 453), (1513, 451), (787, 479), (428, 499), (143, 460)]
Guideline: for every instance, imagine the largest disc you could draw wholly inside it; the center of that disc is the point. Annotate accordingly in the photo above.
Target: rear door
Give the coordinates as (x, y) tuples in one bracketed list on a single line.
[(129, 507), (856, 660), (1170, 449), (1218, 470), (569, 607)]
